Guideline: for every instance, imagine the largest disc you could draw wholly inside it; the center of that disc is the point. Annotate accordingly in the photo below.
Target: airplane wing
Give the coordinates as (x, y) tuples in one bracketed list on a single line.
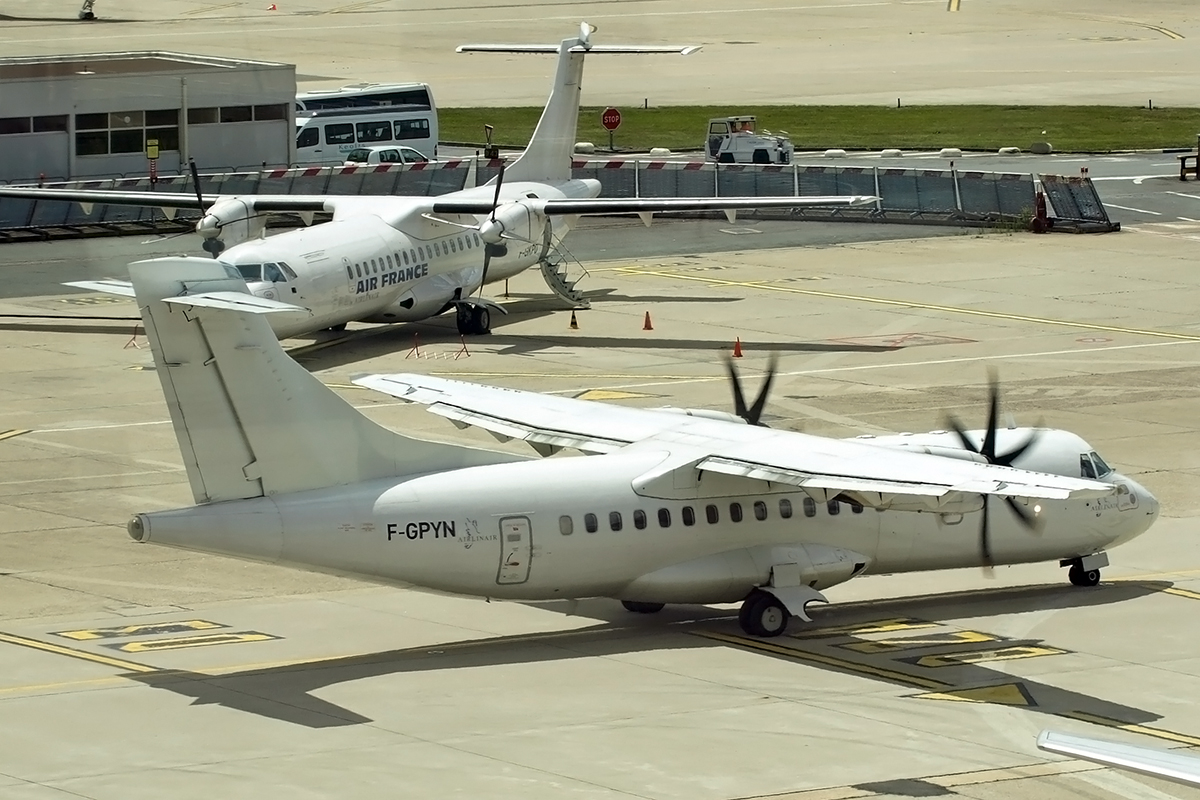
[(820, 466), (265, 203), (1176, 767), (623, 205)]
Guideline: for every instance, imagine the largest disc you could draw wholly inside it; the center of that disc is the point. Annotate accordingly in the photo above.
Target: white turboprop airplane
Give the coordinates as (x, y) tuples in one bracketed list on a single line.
[(677, 507), (1182, 768), (399, 259)]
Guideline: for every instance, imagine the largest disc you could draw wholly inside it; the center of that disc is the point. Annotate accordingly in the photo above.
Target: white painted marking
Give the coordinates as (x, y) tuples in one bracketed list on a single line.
[(1135, 178), (1121, 785), (1185, 194), (1128, 208)]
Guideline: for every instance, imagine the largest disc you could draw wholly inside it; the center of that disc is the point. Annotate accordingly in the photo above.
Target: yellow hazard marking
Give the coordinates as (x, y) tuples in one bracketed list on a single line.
[(609, 394), (983, 656), (824, 660), (119, 663), (915, 642), (12, 432), (953, 5), (862, 628), (1158, 733), (148, 629), (882, 301), (182, 642), (1007, 694), (1173, 590)]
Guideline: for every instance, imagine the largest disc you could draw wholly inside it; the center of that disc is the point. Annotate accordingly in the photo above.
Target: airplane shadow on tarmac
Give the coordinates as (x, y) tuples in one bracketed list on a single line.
[(285, 692)]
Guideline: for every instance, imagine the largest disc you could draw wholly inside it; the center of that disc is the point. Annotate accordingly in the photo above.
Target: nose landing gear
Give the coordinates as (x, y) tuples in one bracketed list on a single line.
[(1083, 577), (1085, 571)]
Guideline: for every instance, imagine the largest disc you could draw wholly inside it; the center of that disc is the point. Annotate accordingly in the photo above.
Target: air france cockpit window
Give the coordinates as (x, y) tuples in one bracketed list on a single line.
[(1086, 468), (272, 273), (250, 272), (1102, 468)]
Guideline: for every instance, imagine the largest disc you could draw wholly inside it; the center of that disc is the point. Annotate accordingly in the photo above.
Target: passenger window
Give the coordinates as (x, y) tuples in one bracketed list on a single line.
[(785, 508), (689, 516), (614, 520), (760, 510), (735, 512), (834, 508), (590, 524), (468, 242), (341, 133), (375, 132), (856, 507), (309, 137), (374, 267), (437, 248), (357, 271), (405, 255), (566, 525), (349, 272), (810, 507), (711, 513), (639, 519), (389, 261), (1085, 466), (664, 518), (422, 251)]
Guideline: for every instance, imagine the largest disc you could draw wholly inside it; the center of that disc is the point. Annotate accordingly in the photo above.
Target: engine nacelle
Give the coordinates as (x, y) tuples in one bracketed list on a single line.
[(230, 221), (511, 220)]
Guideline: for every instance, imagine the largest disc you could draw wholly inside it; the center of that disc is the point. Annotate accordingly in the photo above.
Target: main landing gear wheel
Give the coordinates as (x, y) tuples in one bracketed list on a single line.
[(473, 319), (642, 608), (1083, 577), (763, 615)]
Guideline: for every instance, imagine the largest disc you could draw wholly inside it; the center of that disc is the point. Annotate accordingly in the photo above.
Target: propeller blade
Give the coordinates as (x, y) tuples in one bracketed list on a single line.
[(755, 413), (985, 545), (739, 399), (1027, 517), (1008, 458), (953, 424), (496, 197), (988, 450), (196, 183)]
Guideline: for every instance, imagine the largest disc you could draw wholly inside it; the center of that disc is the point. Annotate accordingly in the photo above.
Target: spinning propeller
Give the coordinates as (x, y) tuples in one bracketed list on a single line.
[(987, 449), (492, 232), (212, 243), (752, 414)]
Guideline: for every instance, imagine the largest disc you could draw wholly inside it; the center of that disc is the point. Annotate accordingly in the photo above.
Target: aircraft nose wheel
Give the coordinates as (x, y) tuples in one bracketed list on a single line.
[(1083, 577), (763, 615)]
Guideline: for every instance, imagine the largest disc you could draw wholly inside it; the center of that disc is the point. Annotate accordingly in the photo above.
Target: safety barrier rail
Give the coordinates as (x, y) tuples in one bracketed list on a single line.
[(954, 197)]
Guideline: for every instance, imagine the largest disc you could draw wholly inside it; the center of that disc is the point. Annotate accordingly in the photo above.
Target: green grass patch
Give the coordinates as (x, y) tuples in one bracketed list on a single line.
[(1069, 128)]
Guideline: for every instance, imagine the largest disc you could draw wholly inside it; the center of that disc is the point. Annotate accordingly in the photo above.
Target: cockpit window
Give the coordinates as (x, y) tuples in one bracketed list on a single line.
[(291, 273), (250, 272), (1086, 468), (1102, 468), (272, 273), (230, 270)]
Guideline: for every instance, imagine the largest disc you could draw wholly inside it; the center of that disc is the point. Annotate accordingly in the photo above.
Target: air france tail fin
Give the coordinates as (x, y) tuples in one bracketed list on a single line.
[(251, 421), (548, 156)]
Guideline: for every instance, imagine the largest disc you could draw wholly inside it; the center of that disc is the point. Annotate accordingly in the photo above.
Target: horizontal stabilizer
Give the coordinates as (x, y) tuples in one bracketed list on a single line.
[(236, 301), (108, 286)]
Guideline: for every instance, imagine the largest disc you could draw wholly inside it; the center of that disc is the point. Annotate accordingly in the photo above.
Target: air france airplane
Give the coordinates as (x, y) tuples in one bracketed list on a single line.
[(674, 506), (400, 259)]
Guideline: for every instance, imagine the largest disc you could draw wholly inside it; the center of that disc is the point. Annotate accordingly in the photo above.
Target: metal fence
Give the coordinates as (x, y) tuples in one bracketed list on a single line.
[(905, 195)]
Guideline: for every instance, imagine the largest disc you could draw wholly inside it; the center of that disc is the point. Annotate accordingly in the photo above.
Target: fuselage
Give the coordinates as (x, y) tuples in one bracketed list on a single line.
[(581, 527), (386, 260)]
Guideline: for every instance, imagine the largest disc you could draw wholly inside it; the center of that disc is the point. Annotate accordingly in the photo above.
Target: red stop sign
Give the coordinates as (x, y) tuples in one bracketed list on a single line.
[(610, 119)]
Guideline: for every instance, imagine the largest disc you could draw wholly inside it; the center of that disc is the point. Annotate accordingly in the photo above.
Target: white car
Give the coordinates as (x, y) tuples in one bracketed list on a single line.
[(386, 154)]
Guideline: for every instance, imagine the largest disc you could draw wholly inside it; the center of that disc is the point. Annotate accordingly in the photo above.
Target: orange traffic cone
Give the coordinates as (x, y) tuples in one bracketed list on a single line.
[(737, 347), (574, 322), (646, 326), (272, 7)]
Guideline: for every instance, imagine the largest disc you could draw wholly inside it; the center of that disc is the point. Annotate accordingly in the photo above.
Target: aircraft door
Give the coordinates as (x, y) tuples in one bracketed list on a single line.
[(516, 550)]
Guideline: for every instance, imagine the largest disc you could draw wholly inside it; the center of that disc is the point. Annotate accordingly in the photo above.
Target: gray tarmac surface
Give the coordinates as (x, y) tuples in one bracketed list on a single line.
[(128, 671)]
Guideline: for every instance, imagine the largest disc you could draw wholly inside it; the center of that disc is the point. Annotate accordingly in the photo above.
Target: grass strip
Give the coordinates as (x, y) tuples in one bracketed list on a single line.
[(1088, 129)]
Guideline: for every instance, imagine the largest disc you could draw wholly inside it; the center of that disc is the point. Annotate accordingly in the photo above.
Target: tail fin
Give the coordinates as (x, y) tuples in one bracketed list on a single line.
[(548, 156), (250, 421)]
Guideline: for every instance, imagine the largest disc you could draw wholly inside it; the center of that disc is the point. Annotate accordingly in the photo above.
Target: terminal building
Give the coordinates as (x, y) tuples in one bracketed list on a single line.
[(99, 115)]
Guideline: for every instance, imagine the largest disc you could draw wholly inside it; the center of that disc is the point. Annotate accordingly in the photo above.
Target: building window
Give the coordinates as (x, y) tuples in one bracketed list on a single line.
[(712, 514), (272, 111), (590, 524), (639, 519), (237, 113), (810, 507), (735, 512), (664, 518), (126, 141), (91, 143), (57, 123), (126, 119), (760, 510), (689, 516), (833, 507), (785, 508), (91, 122), (566, 525), (614, 520), (195, 116)]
